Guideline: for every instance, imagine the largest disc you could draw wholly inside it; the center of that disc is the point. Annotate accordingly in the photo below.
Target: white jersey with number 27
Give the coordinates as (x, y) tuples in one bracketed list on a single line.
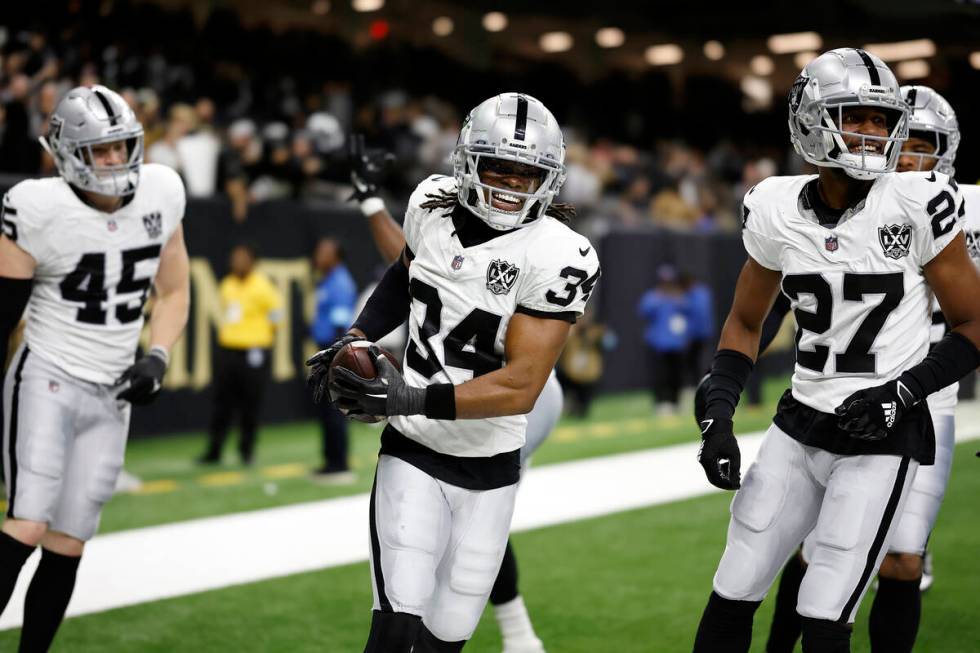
[(861, 302)]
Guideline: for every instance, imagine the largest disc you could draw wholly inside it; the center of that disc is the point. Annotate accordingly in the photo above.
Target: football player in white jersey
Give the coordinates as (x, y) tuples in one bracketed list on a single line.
[(491, 280), (81, 252), (509, 609), (858, 250), (933, 140)]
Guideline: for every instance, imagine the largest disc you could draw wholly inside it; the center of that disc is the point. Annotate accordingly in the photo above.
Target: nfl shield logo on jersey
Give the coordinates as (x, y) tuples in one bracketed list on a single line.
[(501, 276), (830, 243), (154, 224), (457, 262), (895, 240)]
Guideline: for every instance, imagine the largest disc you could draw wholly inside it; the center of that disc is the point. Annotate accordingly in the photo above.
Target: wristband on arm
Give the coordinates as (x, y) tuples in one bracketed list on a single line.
[(729, 373), (950, 360), (440, 401), (371, 205)]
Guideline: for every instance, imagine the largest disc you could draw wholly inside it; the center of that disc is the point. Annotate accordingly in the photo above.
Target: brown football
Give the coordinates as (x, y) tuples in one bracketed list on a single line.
[(356, 357)]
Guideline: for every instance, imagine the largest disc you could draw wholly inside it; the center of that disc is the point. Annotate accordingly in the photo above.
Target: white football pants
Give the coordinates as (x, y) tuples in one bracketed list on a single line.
[(436, 548), (849, 502), (64, 440)]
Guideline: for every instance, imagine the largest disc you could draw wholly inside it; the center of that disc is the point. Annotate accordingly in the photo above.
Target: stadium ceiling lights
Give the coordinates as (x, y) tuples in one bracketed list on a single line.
[(495, 21), (556, 41), (610, 37), (664, 55), (902, 50), (443, 26), (367, 5), (714, 50), (913, 69), (796, 42), (762, 65), (975, 60), (803, 58), (758, 92)]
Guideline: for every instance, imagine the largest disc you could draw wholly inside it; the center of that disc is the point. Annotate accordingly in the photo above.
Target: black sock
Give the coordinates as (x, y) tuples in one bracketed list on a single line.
[(505, 587), (13, 554), (426, 642), (392, 632), (726, 626), (823, 636), (785, 629), (47, 599), (894, 619)]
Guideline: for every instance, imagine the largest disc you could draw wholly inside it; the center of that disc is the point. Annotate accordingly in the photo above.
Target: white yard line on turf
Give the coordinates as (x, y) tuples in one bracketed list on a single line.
[(148, 564)]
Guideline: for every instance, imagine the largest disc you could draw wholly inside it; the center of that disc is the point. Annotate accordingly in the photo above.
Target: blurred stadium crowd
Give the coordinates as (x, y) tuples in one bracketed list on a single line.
[(248, 113)]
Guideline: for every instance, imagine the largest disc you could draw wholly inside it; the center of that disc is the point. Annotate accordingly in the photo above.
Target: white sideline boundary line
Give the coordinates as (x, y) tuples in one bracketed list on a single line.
[(159, 562)]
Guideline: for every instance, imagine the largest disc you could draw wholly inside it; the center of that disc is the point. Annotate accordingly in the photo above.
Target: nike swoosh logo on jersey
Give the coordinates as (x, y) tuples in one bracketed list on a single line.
[(585, 251)]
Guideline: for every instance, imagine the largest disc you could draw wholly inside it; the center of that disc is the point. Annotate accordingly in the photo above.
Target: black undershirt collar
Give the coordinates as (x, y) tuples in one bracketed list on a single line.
[(471, 230), (810, 198)]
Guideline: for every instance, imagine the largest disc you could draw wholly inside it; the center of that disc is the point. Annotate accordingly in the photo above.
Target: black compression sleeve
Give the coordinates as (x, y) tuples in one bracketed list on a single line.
[(729, 372), (388, 305), (15, 292), (950, 360), (773, 321)]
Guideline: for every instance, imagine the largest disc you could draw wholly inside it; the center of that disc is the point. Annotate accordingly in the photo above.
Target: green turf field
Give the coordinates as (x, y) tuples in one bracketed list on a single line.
[(177, 489), (634, 581)]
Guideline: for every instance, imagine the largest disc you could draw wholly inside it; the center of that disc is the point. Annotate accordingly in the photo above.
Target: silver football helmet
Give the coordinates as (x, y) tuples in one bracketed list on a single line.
[(88, 116), (511, 127), (830, 84), (933, 117)]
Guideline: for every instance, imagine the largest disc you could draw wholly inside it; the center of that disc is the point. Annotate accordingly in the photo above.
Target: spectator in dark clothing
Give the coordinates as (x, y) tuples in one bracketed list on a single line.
[(237, 166), (336, 295), (19, 150), (667, 335)]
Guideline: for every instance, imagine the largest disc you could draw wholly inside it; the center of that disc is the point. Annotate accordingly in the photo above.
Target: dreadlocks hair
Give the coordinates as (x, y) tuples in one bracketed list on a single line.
[(447, 200)]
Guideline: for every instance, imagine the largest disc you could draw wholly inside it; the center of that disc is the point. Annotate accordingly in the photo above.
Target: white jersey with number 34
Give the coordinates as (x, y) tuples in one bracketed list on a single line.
[(463, 299), (94, 269), (861, 302)]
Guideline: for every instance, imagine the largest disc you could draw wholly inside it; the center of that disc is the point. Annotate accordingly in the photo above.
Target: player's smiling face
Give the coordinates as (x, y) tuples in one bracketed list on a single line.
[(508, 176), (917, 145), (864, 121)]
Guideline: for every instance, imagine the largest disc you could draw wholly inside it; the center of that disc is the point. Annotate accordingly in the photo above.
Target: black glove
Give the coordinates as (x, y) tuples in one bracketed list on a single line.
[(719, 454), (319, 364), (386, 394), (701, 398), (145, 377), (871, 414), (367, 168)]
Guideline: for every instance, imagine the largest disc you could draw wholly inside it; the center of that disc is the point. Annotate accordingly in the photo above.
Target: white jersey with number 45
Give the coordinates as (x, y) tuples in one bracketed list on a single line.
[(463, 299), (94, 269), (861, 302)]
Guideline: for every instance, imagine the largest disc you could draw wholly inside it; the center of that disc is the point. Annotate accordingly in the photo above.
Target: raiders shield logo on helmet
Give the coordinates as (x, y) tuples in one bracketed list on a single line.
[(501, 276), (895, 240)]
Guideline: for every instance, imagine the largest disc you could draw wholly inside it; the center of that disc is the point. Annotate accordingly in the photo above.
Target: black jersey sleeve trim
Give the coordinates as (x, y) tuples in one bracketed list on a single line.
[(564, 316)]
